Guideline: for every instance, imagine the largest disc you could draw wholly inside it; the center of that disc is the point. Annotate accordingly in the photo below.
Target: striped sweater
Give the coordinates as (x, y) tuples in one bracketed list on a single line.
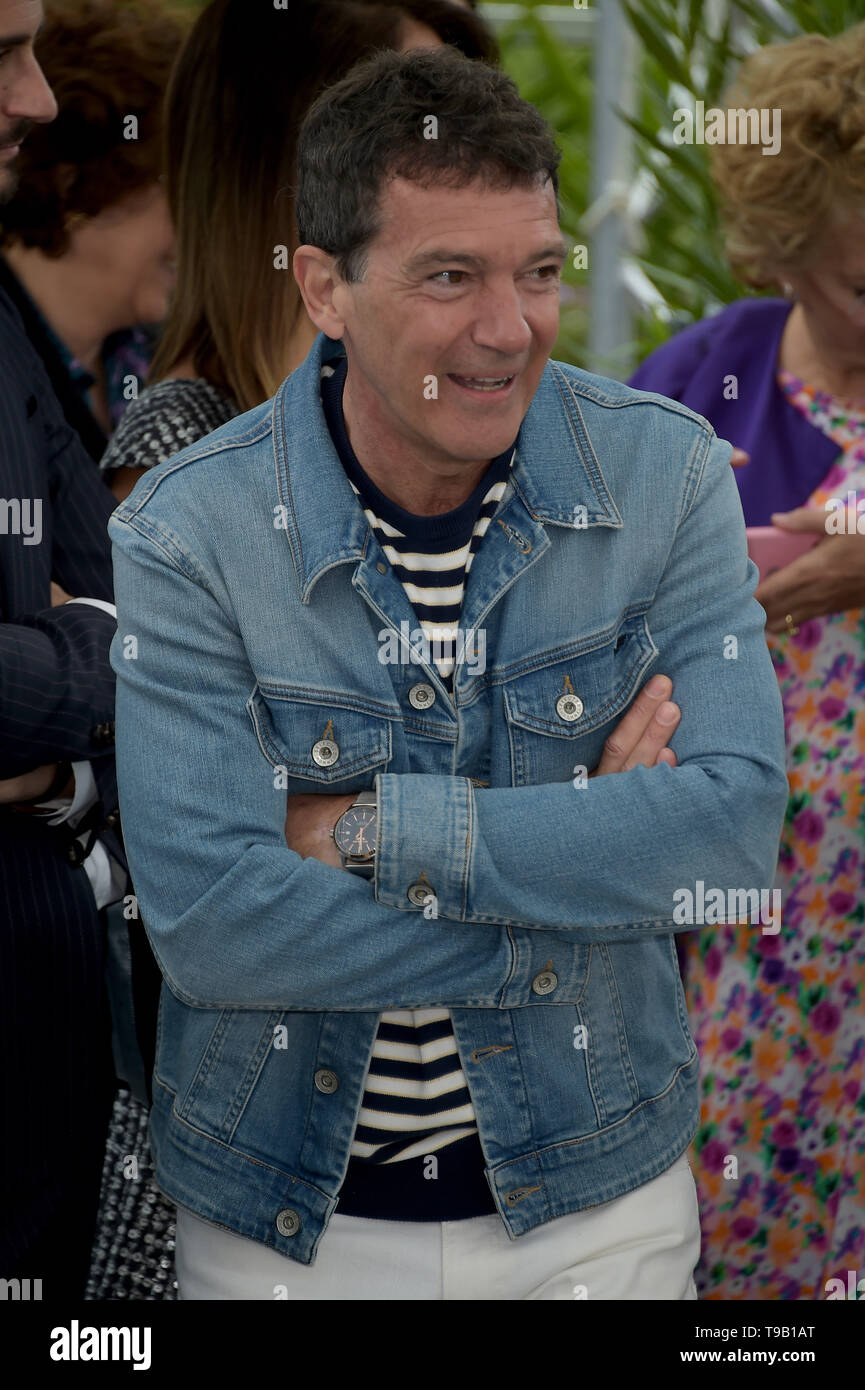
[(416, 1102)]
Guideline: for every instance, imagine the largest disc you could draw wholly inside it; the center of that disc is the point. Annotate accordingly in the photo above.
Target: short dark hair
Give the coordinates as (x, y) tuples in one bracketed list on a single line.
[(369, 128)]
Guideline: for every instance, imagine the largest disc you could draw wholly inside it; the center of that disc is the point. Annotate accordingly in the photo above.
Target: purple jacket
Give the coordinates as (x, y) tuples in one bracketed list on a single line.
[(789, 458)]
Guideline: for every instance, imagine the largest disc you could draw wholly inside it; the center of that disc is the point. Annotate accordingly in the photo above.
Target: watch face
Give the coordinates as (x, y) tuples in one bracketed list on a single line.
[(355, 831)]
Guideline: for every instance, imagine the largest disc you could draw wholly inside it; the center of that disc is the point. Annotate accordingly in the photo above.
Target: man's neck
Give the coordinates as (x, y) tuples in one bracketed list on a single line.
[(68, 302), (418, 484)]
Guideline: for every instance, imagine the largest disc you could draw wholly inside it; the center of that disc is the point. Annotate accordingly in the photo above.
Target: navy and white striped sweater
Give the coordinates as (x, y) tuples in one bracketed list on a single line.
[(416, 1102)]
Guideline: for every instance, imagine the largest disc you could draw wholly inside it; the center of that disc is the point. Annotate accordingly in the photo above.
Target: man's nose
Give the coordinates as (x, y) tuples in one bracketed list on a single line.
[(29, 97), (500, 321)]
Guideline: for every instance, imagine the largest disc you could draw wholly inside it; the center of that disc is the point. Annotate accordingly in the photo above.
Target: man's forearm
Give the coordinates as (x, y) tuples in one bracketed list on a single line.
[(603, 862)]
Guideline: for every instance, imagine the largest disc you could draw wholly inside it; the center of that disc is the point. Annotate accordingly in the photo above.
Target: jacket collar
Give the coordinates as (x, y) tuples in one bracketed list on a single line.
[(555, 474)]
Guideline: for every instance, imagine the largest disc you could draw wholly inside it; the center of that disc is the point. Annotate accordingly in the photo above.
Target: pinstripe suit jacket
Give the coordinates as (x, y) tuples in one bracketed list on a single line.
[(56, 704)]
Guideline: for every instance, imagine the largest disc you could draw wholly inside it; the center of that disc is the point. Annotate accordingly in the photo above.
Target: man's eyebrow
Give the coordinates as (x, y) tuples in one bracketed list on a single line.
[(557, 250), (19, 40)]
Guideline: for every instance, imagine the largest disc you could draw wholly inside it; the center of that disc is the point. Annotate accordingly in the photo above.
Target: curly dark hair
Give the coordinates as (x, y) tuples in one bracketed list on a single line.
[(105, 63)]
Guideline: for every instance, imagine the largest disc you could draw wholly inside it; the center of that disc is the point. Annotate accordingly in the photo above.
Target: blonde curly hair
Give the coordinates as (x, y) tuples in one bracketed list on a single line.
[(776, 209)]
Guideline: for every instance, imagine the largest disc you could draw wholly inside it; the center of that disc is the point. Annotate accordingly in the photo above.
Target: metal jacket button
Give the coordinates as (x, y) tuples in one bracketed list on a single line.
[(325, 752), (419, 894), (326, 1081), (569, 708), (544, 983), (288, 1222), (421, 696)]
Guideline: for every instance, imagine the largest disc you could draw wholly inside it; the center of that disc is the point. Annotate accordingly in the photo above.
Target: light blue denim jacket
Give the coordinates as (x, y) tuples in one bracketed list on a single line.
[(251, 594)]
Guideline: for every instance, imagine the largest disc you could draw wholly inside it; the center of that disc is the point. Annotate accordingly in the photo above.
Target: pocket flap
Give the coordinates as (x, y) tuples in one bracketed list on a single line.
[(573, 695), (320, 740)]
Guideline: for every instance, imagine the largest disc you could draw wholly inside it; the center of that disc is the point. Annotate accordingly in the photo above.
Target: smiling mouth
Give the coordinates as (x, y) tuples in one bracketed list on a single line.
[(482, 383)]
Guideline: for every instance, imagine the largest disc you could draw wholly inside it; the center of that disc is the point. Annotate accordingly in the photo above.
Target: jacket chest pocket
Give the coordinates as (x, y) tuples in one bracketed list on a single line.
[(559, 715), (319, 745)]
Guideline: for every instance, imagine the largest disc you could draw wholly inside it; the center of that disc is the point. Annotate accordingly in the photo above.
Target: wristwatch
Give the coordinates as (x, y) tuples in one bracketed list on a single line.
[(355, 835)]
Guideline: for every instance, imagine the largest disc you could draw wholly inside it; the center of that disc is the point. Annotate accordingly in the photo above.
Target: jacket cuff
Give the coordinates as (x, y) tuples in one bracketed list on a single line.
[(425, 832)]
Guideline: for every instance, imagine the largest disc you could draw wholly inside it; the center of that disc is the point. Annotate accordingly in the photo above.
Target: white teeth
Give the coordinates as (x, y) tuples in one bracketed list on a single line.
[(485, 383)]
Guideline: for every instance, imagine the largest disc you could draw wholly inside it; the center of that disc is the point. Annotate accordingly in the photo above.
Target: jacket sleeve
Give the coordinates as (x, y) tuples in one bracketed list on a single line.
[(56, 682), (604, 862), (237, 919), (56, 686), (81, 504)]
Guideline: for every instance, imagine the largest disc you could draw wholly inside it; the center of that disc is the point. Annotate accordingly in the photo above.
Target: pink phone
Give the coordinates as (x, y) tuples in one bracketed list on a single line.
[(771, 549)]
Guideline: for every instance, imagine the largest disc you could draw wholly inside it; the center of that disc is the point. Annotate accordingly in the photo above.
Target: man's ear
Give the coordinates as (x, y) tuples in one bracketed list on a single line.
[(318, 280)]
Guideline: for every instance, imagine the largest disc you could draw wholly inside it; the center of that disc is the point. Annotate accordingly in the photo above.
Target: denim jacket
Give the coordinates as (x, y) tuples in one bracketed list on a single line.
[(252, 604)]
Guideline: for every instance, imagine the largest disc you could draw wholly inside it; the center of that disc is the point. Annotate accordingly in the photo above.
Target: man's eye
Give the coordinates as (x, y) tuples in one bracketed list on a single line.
[(543, 272), (555, 271), (448, 272)]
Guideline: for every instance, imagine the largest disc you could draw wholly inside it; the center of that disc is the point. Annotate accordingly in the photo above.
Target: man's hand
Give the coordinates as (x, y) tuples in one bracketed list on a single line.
[(32, 786), (830, 578), (641, 736), (309, 820), (58, 595)]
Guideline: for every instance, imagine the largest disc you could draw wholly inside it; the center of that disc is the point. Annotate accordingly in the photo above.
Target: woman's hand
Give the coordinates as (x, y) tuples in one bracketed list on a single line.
[(830, 578)]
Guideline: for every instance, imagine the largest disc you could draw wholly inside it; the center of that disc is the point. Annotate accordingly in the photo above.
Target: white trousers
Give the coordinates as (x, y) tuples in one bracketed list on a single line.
[(640, 1246)]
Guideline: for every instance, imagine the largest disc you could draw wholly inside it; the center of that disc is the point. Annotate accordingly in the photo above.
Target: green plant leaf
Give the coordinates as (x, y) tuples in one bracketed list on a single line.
[(655, 41)]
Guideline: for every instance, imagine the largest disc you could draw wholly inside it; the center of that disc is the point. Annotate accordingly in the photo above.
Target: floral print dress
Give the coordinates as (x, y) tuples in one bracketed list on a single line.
[(779, 1020)]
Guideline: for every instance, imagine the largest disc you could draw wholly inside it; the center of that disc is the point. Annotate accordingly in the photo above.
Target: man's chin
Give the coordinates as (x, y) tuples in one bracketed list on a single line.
[(475, 448), (485, 437)]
